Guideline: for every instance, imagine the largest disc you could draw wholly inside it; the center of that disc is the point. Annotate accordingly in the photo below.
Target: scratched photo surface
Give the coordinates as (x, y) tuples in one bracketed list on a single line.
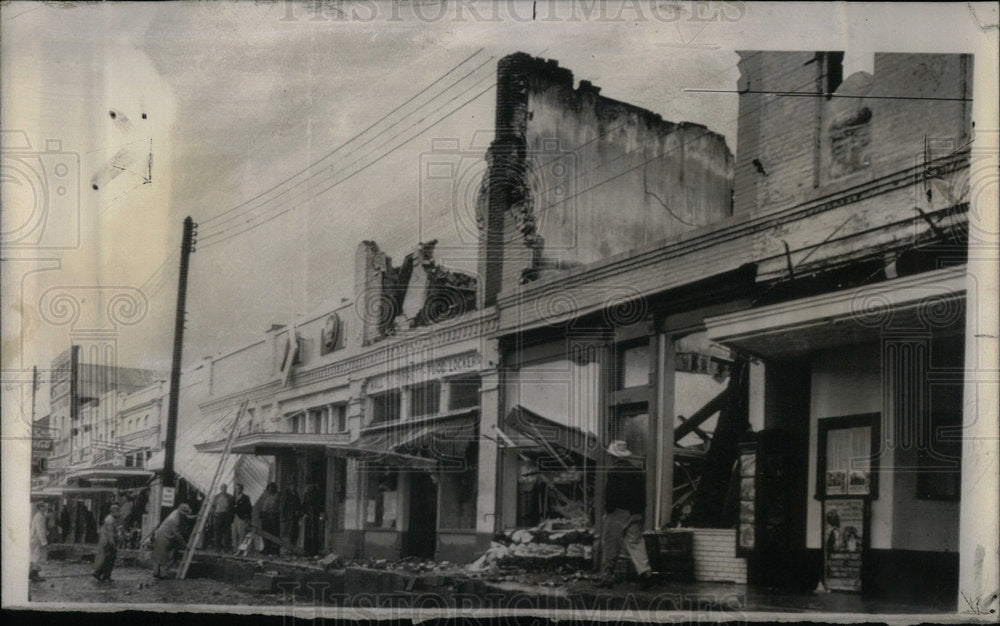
[(662, 310)]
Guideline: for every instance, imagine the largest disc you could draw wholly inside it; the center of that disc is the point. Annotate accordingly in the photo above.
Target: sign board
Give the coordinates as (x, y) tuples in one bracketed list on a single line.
[(844, 539), (746, 539), (41, 445), (167, 499)]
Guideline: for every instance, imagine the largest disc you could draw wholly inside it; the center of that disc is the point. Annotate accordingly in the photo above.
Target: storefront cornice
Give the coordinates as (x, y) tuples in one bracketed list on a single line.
[(912, 304), (483, 323), (696, 255)]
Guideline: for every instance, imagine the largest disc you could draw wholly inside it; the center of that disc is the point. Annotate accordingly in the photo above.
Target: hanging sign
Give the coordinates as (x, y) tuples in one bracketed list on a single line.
[(167, 497)]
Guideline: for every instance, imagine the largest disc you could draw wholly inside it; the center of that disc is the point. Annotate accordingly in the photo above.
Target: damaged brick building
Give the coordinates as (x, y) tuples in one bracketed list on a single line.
[(779, 335)]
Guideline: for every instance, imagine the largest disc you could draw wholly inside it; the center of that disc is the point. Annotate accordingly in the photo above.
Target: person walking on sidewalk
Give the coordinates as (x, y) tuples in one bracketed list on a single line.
[(107, 546), (624, 504), (37, 542)]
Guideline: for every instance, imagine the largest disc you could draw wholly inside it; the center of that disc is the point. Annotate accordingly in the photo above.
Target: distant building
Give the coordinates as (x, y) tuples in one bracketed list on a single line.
[(87, 468)]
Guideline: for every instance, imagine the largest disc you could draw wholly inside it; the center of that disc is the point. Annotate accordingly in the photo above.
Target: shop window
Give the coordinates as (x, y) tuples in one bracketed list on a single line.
[(633, 368), (939, 452), (939, 460), (846, 461), (464, 393), (547, 493), (458, 491), (631, 425), (340, 491), (382, 497), (385, 406), (425, 399)]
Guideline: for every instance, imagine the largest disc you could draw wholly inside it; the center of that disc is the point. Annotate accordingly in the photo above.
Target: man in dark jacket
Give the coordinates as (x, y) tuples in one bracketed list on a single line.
[(243, 511), (312, 509), (291, 512), (624, 503), (266, 516)]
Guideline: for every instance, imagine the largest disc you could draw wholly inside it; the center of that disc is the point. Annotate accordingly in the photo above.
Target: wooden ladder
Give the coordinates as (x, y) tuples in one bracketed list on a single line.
[(199, 526)]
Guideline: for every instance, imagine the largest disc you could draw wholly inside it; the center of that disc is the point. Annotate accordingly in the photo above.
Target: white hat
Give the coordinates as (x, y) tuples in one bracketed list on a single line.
[(619, 448)]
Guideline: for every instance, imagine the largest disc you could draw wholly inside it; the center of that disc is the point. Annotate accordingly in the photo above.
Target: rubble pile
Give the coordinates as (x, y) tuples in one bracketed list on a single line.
[(553, 545)]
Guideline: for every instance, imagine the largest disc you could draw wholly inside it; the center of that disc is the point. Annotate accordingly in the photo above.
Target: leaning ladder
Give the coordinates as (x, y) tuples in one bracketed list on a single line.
[(199, 526)]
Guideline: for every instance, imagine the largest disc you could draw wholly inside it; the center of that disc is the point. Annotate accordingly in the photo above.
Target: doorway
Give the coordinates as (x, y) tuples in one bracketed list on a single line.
[(421, 539)]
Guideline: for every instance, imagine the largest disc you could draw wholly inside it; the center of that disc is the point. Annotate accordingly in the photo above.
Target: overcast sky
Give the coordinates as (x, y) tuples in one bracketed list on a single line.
[(238, 98)]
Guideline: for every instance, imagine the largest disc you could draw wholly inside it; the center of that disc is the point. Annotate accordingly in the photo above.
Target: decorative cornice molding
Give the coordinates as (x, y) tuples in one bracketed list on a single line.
[(413, 342)]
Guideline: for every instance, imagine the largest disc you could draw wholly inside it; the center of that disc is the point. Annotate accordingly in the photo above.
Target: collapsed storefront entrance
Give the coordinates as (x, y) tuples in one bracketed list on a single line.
[(419, 487)]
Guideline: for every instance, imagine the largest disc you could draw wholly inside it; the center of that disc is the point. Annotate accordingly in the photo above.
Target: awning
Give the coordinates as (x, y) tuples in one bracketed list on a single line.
[(271, 443), (198, 468), (64, 490), (420, 444), (527, 428), (108, 473), (933, 299)]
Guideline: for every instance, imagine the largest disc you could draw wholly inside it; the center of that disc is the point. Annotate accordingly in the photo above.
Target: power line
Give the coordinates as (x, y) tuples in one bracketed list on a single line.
[(348, 177), (335, 150), (220, 231)]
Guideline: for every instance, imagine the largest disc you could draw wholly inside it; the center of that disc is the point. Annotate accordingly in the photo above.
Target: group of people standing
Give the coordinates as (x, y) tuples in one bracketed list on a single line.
[(45, 530), (230, 518), (279, 515)]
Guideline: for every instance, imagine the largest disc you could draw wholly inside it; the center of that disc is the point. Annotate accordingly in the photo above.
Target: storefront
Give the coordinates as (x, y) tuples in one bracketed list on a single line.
[(863, 423), (418, 457)]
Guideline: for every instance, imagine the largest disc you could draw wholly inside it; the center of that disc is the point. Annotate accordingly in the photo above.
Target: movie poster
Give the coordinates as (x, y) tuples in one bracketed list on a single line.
[(746, 535), (843, 543)]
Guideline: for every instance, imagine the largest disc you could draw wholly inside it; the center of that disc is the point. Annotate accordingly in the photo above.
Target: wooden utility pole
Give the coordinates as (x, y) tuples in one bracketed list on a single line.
[(34, 392), (74, 403), (170, 445)]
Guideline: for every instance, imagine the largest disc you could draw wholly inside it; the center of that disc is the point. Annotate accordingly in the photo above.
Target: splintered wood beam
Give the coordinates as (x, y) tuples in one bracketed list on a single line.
[(704, 436), (701, 415)]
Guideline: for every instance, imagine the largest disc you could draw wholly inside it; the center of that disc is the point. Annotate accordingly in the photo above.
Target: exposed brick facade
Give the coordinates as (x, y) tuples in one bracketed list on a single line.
[(797, 143), (715, 557), (576, 177)]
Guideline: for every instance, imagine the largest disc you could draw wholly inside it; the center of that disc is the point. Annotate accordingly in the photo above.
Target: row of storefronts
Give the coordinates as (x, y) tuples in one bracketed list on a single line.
[(789, 360)]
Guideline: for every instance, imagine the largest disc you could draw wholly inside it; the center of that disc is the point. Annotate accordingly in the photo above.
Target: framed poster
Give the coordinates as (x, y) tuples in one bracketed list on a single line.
[(845, 541), (847, 456)]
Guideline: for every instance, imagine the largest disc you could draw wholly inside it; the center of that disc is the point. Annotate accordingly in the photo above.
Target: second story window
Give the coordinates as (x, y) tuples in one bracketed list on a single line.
[(385, 406), (425, 399), (464, 392), (317, 420), (338, 418)]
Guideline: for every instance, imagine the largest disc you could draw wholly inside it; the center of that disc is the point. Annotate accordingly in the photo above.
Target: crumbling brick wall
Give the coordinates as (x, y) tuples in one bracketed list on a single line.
[(806, 130), (575, 177)]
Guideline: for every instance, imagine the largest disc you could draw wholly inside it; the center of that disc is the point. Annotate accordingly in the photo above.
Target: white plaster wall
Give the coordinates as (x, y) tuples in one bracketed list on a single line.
[(847, 381)]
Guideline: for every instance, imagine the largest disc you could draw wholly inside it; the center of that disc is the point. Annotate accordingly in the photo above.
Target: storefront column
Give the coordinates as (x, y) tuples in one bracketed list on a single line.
[(979, 548), (660, 506), (353, 509), (486, 492)]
